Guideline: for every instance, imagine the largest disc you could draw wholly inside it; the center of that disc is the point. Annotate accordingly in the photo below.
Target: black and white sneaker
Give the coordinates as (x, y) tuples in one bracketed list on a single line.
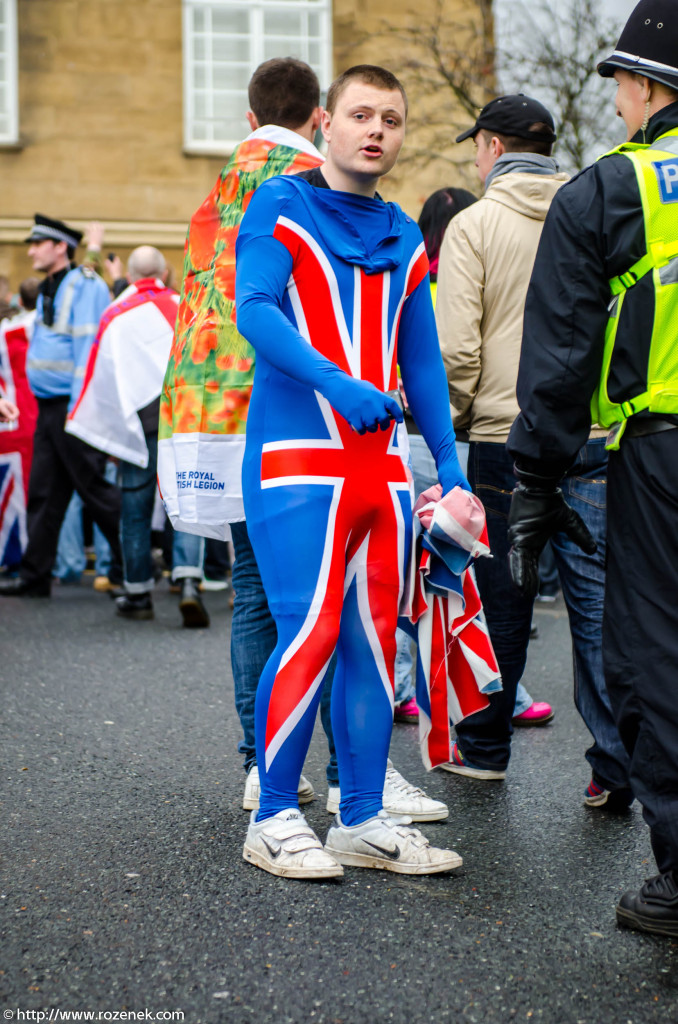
[(388, 845)]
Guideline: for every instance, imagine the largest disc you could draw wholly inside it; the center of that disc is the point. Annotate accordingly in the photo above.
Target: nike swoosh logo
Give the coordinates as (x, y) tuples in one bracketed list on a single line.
[(391, 854), (273, 853)]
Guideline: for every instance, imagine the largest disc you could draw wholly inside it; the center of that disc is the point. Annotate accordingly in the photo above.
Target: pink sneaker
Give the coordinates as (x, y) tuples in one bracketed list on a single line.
[(538, 713), (406, 712)]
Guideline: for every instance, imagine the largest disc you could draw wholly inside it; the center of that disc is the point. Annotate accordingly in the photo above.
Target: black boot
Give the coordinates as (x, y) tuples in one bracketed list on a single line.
[(134, 606), (18, 587), (192, 609), (653, 909)]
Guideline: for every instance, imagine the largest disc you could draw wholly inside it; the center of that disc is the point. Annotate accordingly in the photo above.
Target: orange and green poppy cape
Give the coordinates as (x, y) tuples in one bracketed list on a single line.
[(209, 376)]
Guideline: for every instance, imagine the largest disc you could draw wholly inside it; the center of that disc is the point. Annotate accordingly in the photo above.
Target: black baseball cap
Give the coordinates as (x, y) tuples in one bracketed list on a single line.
[(56, 230), (513, 115)]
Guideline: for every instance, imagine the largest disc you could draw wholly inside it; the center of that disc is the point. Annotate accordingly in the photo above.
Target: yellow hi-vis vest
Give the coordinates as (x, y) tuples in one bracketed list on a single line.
[(656, 168)]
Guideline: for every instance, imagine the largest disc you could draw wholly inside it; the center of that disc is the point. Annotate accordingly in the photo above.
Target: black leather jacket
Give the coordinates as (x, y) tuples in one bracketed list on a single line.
[(594, 231)]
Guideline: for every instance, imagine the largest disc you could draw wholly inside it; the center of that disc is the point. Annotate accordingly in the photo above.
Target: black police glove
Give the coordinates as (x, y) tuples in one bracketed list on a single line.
[(538, 511)]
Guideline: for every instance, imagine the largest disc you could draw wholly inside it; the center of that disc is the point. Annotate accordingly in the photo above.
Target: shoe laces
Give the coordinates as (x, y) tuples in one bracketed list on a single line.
[(397, 781)]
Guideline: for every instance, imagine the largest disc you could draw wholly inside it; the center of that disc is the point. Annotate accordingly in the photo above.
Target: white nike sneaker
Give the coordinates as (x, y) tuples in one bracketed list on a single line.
[(401, 799), (286, 845), (250, 800), (389, 845)]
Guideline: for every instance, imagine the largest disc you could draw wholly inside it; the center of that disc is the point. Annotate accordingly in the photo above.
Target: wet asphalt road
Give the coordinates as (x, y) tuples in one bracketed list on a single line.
[(123, 888)]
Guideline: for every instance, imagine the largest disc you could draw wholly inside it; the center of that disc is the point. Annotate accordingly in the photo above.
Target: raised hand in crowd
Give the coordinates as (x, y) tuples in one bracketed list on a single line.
[(8, 411)]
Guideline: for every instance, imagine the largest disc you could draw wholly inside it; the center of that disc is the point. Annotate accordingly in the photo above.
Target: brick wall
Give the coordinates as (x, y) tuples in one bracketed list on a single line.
[(101, 120)]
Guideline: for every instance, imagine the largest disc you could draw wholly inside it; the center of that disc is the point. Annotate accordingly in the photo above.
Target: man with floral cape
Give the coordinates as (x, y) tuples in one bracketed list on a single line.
[(207, 388)]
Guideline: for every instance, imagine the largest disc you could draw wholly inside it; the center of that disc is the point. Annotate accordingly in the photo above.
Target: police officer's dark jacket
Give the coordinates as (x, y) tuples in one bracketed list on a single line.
[(593, 232)]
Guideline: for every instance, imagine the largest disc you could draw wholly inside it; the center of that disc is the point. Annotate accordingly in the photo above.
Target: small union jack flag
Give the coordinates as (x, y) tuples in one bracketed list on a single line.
[(16, 438), (13, 536), (456, 664)]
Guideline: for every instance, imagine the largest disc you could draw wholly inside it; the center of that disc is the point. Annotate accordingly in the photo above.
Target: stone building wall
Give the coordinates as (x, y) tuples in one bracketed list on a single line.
[(100, 87)]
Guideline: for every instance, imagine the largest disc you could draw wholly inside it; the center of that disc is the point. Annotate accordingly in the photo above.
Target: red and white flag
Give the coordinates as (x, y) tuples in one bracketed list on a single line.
[(125, 370), (16, 438), (456, 665)]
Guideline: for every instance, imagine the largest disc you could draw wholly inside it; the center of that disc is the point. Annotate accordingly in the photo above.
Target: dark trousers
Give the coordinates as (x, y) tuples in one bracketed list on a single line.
[(640, 627), (485, 738), (63, 464)]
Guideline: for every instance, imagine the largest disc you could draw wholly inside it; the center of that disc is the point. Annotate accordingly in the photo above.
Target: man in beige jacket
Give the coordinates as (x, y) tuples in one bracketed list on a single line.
[(485, 265)]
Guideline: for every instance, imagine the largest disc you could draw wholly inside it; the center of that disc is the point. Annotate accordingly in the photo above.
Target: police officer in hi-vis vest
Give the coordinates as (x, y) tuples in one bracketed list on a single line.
[(600, 343)]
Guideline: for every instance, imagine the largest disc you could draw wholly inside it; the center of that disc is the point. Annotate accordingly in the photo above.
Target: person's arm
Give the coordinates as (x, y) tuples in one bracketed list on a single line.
[(263, 268), (423, 375), (459, 312), (563, 332), (94, 240), (560, 367), (91, 299)]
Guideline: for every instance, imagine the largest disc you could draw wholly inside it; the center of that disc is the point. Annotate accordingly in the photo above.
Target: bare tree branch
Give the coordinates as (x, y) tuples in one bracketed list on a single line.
[(552, 49), (447, 59)]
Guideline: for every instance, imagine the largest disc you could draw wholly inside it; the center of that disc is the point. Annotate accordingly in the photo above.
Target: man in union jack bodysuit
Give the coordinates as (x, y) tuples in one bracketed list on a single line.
[(332, 291)]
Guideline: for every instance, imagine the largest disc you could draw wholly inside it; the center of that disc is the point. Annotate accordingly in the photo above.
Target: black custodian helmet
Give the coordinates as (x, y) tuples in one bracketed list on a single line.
[(648, 44)]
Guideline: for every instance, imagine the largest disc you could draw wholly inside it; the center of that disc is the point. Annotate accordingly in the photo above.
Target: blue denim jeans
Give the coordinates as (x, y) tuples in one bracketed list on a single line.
[(404, 668), (253, 638), (523, 700), (485, 738), (583, 583), (71, 559), (138, 487)]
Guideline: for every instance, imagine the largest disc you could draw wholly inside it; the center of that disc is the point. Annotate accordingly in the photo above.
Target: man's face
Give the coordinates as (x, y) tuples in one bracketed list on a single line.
[(366, 131), (486, 155), (47, 255)]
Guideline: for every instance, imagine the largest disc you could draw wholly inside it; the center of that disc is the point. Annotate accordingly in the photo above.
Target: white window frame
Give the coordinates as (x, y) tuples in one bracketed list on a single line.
[(255, 9), (11, 80)]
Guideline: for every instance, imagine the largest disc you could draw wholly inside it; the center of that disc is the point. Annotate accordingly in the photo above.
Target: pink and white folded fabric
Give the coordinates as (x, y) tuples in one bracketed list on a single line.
[(456, 665)]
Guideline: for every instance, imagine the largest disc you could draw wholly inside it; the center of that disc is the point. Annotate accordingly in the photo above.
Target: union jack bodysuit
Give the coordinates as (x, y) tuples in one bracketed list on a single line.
[(332, 290)]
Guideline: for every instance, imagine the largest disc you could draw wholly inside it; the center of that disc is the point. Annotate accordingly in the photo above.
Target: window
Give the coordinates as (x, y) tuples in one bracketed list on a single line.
[(224, 41), (9, 93)]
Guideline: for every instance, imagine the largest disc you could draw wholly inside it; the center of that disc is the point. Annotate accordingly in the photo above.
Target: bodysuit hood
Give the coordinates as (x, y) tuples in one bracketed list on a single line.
[(366, 232)]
